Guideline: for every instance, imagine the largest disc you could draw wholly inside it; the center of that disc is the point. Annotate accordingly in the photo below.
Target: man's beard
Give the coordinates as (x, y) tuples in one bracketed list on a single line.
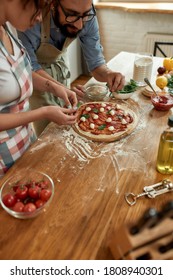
[(63, 28)]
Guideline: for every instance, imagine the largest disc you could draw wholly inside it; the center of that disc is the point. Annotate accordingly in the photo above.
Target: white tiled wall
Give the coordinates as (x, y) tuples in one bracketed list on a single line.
[(125, 31)]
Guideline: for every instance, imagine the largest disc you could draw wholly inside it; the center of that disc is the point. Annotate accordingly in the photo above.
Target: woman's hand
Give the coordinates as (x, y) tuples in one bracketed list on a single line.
[(48, 84), (66, 94), (61, 116)]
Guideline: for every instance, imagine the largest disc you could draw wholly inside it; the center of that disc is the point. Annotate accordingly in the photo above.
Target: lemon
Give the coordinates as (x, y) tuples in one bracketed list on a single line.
[(161, 82)]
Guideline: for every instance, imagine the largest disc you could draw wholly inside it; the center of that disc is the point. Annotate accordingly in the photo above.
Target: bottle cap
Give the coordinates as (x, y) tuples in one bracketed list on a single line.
[(170, 121)]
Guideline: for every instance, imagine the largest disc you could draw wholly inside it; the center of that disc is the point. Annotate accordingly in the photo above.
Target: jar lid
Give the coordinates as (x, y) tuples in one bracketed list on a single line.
[(170, 121)]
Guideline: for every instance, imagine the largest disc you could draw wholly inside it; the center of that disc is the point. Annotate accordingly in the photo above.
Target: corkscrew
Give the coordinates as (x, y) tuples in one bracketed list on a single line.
[(151, 191)]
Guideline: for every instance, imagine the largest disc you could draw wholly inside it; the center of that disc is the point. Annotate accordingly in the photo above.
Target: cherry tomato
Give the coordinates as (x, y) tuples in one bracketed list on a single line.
[(29, 207), (34, 192), (39, 203), (18, 207), (45, 194), (15, 187), (22, 192), (44, 184), (9, 200)]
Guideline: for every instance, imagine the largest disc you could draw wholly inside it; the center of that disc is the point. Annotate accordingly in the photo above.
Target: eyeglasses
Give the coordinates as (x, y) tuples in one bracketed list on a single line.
[(73, 18)]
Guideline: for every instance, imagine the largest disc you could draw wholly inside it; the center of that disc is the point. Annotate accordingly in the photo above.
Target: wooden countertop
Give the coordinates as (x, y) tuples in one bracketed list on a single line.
[(90, 180), (162, 8)]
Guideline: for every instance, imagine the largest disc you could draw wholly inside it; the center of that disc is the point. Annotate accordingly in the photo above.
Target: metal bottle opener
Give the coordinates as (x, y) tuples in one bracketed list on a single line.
[(151, 191)]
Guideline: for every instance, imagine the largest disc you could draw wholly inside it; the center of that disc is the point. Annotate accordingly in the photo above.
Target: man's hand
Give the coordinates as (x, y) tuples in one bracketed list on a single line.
[(79, 90), (115, 81)]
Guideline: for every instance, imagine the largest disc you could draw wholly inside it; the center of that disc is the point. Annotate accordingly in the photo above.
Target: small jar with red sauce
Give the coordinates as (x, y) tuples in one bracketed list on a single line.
[(162, 101)]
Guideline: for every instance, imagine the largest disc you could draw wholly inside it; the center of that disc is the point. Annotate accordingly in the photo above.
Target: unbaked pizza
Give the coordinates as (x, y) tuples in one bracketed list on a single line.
[(105, 121)]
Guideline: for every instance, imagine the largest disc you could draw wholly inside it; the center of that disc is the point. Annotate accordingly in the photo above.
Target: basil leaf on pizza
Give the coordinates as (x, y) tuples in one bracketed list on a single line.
[(105, 121), (85, 116), (101, 127)]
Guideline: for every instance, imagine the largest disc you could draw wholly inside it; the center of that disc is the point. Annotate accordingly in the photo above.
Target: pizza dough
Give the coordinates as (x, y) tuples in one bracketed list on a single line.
[(105, 121)]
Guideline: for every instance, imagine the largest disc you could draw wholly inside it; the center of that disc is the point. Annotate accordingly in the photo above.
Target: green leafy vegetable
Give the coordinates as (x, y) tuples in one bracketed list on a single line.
[(108, 112), (170, 85), (95, 110), (101, 127), (79, 104), (86, 116), (129, 87)]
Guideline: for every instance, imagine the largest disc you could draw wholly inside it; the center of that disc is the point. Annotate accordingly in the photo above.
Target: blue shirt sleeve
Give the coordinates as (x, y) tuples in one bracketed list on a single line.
[(90, 42), (31, 40)]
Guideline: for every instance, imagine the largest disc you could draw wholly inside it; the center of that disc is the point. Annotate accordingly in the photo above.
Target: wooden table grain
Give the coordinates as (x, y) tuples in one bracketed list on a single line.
[(90, 180)]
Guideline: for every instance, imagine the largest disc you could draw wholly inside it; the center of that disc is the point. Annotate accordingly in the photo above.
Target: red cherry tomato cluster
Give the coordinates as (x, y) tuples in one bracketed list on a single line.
[(27, 197)]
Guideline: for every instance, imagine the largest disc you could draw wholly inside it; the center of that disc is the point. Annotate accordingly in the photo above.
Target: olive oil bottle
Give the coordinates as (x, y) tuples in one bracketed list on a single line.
[(165, 152)]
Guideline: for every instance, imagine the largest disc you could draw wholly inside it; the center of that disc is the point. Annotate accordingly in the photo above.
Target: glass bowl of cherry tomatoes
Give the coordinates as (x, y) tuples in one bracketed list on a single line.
[(27, 194), (163, 101)]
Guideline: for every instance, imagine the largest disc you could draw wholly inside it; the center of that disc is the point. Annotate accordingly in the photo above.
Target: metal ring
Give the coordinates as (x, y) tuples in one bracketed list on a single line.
[(130, 198)]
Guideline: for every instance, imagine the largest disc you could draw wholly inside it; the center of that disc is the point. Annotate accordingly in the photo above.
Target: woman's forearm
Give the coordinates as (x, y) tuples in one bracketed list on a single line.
[(12, 120), (46, 76)]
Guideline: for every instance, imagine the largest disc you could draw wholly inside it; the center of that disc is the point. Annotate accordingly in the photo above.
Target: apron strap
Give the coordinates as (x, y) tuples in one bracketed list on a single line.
[(6, 53), (45, 27)]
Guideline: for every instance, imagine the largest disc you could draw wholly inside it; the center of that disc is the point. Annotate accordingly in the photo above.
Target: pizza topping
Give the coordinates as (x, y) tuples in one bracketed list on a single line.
[(83, 119), (108, 120), (111, 128), (103, 105), (95, 110), (112, 112), (123, 121), (95, 117), (92, 126), (86, 116), (118, 107), (88, 109), (119, 117), (101, 127), (102, 109)]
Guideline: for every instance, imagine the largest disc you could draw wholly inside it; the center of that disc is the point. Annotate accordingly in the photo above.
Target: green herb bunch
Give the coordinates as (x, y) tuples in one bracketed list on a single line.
[(129, 87)]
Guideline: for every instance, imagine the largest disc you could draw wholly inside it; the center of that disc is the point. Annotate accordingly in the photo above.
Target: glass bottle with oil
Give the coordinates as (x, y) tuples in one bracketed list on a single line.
[(165, 152)]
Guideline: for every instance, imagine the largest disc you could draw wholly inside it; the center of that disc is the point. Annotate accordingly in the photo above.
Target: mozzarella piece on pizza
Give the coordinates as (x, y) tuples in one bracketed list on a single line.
[(95, 117), (83, 119), (92, 125), (88, 109), (111, 128), (108, 120)]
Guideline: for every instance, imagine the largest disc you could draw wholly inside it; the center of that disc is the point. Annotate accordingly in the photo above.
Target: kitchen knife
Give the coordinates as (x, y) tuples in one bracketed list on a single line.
[(148, 220)]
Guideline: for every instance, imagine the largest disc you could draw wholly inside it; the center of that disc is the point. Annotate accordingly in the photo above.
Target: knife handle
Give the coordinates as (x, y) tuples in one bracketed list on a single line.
[(167, 210), (149, 219)]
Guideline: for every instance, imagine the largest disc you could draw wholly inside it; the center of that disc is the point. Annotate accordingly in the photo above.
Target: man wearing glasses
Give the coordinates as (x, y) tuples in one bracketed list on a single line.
[(47, 43)]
